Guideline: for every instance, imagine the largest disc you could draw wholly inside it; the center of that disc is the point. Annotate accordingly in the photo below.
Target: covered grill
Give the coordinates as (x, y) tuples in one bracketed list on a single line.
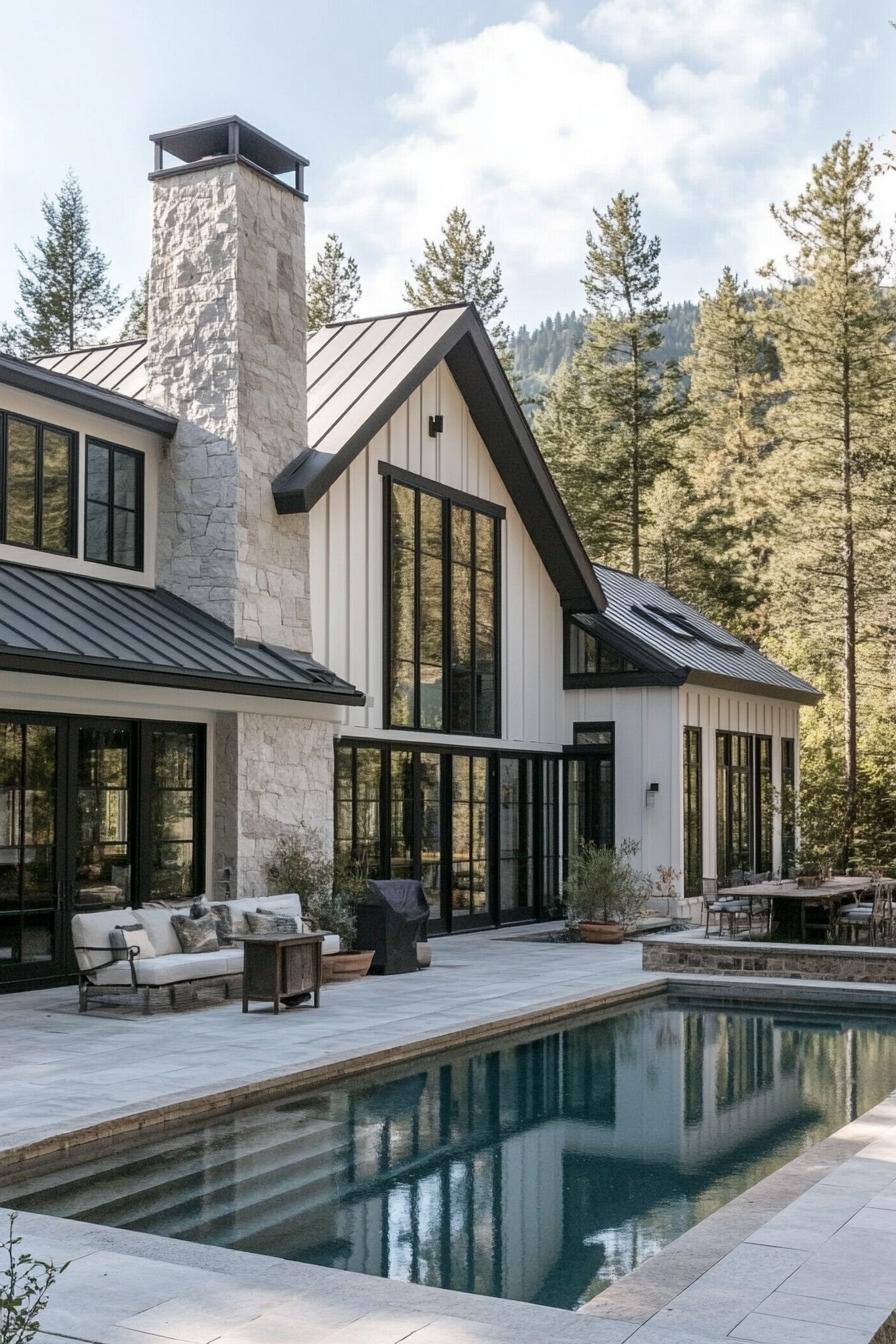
[(392, 920)]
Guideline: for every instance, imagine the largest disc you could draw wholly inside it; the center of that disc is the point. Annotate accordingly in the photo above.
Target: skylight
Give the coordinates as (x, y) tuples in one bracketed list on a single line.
[(682, 627)]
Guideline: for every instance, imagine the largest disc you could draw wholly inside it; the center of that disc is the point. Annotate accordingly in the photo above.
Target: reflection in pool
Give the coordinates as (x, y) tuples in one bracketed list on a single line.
[(541, 1169)]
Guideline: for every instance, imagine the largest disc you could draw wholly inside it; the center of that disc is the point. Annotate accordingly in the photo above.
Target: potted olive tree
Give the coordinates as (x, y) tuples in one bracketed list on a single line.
[(605, 893), (329, 892)]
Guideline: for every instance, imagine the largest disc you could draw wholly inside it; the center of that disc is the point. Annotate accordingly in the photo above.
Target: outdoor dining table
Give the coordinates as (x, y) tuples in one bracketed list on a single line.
[(829, 894)]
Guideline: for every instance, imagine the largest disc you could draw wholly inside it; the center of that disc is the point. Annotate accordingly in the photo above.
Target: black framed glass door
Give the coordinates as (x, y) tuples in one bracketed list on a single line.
[(103, 816), (31, 881)]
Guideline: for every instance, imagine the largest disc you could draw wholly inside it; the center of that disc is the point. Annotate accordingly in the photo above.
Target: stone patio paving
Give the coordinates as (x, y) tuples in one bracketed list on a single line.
[(811, 1259)]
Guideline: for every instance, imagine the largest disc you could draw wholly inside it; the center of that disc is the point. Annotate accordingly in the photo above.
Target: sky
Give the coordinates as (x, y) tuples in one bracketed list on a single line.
[(529, 115)]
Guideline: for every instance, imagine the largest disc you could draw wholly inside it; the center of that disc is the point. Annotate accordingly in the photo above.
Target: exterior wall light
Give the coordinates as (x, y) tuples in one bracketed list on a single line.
[(436, 425), (650, 795)]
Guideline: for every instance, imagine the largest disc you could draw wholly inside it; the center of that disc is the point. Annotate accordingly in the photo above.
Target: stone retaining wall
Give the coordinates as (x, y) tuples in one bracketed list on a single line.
[(785, 961)]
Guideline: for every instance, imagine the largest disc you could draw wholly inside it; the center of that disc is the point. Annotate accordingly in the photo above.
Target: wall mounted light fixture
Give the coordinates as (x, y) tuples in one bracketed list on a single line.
[(651, 794), (436, 425)]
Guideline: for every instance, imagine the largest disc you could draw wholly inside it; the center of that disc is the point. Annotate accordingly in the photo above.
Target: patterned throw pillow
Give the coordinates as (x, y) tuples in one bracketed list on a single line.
[(223, 916), (124, 936), (195, 935), (264, 922)]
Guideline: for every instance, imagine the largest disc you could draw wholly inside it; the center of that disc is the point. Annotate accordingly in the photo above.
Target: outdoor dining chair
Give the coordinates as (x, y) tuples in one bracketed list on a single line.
[(874, 916)]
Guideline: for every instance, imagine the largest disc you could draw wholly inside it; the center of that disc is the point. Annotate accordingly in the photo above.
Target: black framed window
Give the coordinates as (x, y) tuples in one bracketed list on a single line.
[(692, 784), (442, 589), (38, 466), (590, 777), (734, 803), (174, 858), (763, 803), (586, 656), (113, 507), (788, 804)]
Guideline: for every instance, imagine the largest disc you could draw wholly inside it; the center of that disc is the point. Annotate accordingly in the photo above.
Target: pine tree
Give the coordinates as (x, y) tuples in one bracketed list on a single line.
[(461, 268), (609, 422), (135, 323), (65, 295), (731, 372), (834, 319), (334, 285)]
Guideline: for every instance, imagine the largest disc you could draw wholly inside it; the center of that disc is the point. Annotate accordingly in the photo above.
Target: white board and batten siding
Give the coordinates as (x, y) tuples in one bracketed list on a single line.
[(647, 742), (716, 711), (346, 553)]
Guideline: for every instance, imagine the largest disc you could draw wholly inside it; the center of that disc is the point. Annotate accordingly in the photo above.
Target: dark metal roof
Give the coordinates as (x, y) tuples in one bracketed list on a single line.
[(68, 625), (55, 376), (360, 373), (119, 367), (679, 643)]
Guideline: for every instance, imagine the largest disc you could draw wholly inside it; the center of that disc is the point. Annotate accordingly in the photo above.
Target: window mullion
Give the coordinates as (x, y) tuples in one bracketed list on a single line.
[(447, 605)]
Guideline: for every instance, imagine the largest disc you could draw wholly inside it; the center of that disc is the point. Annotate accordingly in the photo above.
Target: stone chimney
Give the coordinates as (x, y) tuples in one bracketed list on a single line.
[(226, 354)]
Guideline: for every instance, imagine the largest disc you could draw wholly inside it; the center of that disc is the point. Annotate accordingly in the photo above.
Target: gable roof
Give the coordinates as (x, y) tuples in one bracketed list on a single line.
[(678, 643), (88, 379), (359, 374), (68, 625)]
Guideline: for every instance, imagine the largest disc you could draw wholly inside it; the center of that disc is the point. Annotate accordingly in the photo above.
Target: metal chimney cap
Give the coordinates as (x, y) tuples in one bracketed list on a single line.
[(228, 138)]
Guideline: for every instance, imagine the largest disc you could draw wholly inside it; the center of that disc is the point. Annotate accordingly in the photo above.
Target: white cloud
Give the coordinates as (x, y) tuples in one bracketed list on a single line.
[(749, 36), (542, 15), (529, 132)]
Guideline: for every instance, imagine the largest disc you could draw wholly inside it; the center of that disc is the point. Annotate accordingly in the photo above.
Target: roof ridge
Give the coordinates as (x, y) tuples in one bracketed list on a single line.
[(402, 312)]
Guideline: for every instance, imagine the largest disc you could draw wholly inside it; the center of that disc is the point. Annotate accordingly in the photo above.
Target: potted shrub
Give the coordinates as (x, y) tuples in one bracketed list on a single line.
[(605, 892), (329, 893)]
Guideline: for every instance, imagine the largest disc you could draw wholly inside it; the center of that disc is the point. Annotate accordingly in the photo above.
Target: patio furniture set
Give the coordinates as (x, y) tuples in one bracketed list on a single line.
[(263, 941), (836, 909)]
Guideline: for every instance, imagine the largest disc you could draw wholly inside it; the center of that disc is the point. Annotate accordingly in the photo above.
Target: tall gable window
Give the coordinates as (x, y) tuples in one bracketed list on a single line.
[(442, 595), (38, 485), (113, 505)]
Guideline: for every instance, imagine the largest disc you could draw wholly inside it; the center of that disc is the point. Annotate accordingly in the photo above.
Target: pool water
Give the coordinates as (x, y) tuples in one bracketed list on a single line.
[(540, 1168)]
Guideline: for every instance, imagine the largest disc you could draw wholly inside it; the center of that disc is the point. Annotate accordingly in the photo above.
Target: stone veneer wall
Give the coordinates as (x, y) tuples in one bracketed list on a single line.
[(784, 961), (226, 354), (271, 774)]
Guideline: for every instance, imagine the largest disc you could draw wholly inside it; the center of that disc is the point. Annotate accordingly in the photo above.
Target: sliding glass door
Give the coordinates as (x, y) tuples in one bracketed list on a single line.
[(30, 875)]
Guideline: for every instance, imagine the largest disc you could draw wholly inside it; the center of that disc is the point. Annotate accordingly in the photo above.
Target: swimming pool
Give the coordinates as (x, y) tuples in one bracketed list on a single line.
[(541, 1167)]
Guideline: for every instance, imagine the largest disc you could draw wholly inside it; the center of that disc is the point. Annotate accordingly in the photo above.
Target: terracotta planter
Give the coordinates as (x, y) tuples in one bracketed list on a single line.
[(345, 966), (593, 932)]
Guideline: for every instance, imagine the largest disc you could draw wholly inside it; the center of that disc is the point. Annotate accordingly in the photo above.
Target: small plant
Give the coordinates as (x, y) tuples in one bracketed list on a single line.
[(605, 887), (25, 1284), (667, 884), (329, 891)]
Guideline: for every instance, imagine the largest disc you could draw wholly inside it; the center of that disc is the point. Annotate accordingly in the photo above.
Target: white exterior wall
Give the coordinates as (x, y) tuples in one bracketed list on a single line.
[(647, 751), (86, 424), (347, 573), (715, 711)]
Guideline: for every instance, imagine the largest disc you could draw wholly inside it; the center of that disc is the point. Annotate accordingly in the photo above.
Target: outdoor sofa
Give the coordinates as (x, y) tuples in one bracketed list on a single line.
[(103, 969)]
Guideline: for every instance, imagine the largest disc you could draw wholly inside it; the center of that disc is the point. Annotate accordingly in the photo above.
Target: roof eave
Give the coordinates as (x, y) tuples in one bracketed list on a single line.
[(745, 686), (85, 396), (136, 674)]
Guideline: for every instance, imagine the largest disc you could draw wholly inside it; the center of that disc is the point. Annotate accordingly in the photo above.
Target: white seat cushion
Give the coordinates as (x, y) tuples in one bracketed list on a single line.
[(92, 929), (170, 970)]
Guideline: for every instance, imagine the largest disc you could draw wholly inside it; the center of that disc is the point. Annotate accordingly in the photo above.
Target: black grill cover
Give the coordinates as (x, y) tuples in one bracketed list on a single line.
[(392, 920)]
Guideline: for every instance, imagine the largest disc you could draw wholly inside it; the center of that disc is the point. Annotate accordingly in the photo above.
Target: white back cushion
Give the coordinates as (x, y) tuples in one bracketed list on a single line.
[(92, 930), (157, 923), (288, 904)]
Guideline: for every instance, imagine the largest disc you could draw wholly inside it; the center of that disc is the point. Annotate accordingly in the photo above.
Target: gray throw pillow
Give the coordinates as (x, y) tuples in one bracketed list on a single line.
[(265, 922), (195, 935), (223, 916)]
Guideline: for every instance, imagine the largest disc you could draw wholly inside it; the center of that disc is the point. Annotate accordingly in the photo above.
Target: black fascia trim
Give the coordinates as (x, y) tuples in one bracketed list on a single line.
[(435, 488), (218, 161), (499, 420), (574, 681), (743, 686), (300, 485), (85, 396), (139, 675)]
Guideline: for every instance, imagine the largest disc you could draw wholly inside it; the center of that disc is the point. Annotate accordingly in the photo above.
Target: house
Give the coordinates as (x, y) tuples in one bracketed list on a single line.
[(250, 579)]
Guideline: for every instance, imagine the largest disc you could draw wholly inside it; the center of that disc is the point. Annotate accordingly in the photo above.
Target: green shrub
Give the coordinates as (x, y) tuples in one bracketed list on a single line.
[(24, 1287), (329, 891), (605, 887)]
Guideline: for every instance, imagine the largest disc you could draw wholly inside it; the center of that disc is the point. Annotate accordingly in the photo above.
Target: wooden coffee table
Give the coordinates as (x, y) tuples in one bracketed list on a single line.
[(279, 966)]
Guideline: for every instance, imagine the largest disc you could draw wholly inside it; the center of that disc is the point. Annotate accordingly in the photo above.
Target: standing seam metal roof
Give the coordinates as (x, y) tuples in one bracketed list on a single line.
[(75, 626), (701, 649)]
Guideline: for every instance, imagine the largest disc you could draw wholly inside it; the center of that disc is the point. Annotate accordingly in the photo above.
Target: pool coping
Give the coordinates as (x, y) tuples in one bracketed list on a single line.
[(270, 1086)]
